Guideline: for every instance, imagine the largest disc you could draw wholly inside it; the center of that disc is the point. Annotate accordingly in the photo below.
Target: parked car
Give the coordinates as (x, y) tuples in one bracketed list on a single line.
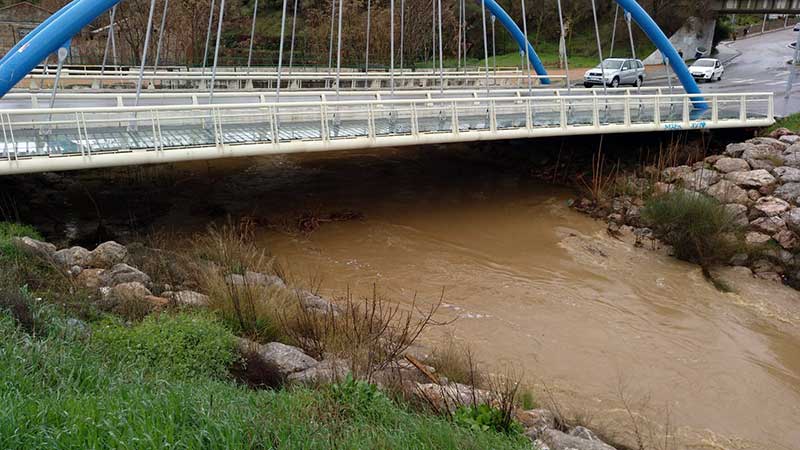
[(707, 69), (796, 27), (617, 71)]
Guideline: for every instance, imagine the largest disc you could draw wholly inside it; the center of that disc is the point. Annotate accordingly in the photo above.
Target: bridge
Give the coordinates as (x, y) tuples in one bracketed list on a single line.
[(71, 118), (756, 6)]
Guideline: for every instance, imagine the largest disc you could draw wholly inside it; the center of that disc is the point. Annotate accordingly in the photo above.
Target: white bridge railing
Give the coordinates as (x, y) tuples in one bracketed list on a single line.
[(46, 139)]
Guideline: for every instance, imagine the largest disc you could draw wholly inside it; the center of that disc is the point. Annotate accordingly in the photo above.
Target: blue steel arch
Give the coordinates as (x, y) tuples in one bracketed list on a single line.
[(59, 28)]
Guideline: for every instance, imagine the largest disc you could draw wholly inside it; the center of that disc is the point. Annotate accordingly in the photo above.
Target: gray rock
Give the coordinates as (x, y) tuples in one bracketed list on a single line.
[(780, 132), (558, 440), (751, 179), (790, 139), (789, 192), (769, 141), (254, 279), (123, 273), (738, 213), (700, 180), (126, 292), (768, 225), (75, 256), (673, 174), (736, 150), (90, 278), (786, 239), (75, 270), (764, 266), (728, 165), (452, 395), (728, 192), (188, 298), (771, 206), (763, 156), (107, 255), (755, 238), (313, 301), (792, 219), (32, 247), (286, 359), (770, 276), (536, 421), (327, 371), (584, 433), (739, 259), (792, 159), (787, 174)]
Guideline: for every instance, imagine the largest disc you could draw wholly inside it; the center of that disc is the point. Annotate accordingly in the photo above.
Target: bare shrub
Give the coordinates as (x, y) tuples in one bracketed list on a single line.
[(453, 360), (370, 333)]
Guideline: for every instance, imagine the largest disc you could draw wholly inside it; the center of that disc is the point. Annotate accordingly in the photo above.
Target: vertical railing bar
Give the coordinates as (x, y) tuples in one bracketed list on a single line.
[(5, 138), (715, 110), (86, 133), (454, 118), (743, 108), (80, 137), (11, 133)]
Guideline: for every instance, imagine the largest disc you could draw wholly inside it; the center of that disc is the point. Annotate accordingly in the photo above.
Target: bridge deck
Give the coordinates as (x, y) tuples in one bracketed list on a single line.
[(74, 138)]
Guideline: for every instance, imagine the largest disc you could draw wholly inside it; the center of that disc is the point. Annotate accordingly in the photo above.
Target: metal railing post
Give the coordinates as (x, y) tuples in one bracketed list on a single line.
[(563, 112), (657, 109), (627, 103), (595, 111), (771, 107), (743, 108), (686, 106), (492, 116), (371, 121), (454, 118), (528, 115), (415, 120), (715, 110)]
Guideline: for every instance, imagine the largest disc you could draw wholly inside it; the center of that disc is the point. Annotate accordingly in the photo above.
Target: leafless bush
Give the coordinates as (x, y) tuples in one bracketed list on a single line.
[(370, 333)]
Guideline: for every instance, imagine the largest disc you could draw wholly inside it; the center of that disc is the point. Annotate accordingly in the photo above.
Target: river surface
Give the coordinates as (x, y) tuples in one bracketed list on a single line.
[(531, 283)]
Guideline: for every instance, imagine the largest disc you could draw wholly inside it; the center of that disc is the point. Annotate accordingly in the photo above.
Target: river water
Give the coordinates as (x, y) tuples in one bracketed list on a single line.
[(531, 283)]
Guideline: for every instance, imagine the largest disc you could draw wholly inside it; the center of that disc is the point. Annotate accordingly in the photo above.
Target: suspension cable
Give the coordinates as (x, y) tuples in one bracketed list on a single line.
[(339, 50), (113, 37), (614, 32), (252, 37), (485, 44), (369, 25), (144, 51), (460, 30), (208, 35), (494, 46), (433, 35), (464, 25), (402, 34), (220, 18), (562, 46), (441, 51), (599, 47), (527, 65), (330, 43), (294, 36), (161, 35), (108, 43), (280, 54), (391, 46)]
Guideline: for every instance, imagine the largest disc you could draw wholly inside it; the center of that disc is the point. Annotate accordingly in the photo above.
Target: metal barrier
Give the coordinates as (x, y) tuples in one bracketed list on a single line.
[(46, 139)]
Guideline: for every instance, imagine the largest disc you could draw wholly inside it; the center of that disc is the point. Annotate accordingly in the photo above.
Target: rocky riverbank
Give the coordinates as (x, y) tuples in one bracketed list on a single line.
[(757, 181), (109, 276)]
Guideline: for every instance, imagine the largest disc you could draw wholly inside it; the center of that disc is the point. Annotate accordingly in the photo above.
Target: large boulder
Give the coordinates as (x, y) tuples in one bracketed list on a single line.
[(69, 257), (700, 180), (769, 141), (188, 298), (32, 247), (123, 273), (254, 279), (728, 192), (771, 206), (312, 301), (90, 278), (737, 150), (673, 174), (558, 440), (787, 174), (763, 156), (792, 219), (789, 192), (285, 359), (728, 165), (536, 421), (790, 139), (781, 132), (450, 396), (127, 292), (738, 213), (327, 371), (786, 239), (751, 179), (768, 225), (755, 238), (107, 255)]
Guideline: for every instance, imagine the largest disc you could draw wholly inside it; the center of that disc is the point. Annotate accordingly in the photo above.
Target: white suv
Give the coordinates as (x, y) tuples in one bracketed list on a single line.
[(617, 71)]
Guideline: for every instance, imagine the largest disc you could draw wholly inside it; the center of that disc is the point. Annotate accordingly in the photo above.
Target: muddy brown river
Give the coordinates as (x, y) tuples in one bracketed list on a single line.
[(531, 283)]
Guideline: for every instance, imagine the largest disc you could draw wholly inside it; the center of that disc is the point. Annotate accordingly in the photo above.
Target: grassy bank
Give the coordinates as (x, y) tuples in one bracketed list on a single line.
[(165, 381)]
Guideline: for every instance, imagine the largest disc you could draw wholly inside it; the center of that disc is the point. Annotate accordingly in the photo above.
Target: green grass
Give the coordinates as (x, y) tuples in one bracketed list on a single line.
[(792, 122), (9, 230), (134, 388)]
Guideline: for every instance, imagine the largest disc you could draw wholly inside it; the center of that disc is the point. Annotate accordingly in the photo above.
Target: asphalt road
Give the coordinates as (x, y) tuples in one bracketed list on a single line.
[(762, 67)]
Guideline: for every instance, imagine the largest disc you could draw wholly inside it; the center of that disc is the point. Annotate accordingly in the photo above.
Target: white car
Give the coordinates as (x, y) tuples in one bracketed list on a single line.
[(707, 69)]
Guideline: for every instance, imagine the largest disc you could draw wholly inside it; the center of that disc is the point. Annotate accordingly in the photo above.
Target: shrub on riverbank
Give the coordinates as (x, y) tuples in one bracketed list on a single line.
[(68, 389), (698, 227)]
